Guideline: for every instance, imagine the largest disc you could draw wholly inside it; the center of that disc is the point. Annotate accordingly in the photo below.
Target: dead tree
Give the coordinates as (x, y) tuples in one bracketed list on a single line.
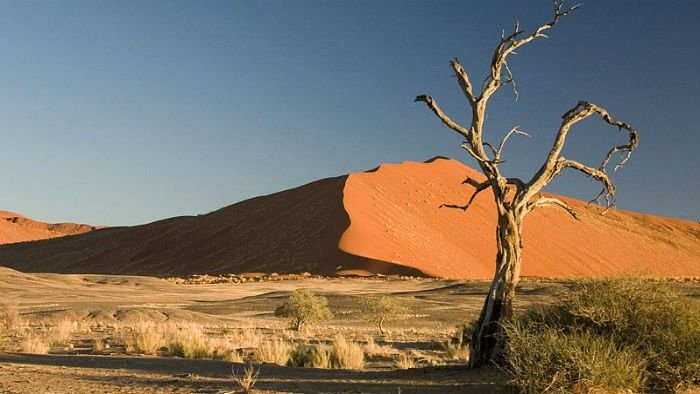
[(515, 198)]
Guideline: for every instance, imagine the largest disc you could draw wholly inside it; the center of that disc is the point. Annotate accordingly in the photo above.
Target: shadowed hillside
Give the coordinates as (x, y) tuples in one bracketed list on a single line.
[(385, 221), (292, 231)]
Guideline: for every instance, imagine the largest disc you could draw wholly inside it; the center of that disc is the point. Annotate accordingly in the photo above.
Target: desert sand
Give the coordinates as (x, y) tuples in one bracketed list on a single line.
[(18, 228), (383, 221), (99, 302)]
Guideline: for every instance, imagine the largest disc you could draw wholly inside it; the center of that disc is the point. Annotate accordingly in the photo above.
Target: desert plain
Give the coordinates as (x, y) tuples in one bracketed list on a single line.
[(76, 298)]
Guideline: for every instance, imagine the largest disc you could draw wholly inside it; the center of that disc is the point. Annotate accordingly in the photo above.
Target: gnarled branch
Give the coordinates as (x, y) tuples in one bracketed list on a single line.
[(554, 163), (480, 187), (549, 201), (464, 82), (443, 117), (509, 44)]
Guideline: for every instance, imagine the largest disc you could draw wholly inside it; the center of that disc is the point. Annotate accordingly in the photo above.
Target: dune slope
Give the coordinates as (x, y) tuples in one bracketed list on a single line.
[(385, 221), (17, 228), (395, 216)]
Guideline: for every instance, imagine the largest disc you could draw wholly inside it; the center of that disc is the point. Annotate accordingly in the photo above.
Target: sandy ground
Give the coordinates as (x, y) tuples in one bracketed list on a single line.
[(45, 298)]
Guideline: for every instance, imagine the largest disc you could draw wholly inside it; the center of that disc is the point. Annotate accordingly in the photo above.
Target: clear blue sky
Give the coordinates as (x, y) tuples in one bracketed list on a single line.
[(125, 112)]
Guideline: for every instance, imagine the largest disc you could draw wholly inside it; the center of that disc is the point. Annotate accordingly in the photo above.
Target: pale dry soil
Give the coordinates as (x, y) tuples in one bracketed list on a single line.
[(101, 301)]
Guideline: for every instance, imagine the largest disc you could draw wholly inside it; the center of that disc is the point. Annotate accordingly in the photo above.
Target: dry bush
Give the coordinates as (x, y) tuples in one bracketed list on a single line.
[(275, 351), (59, 334), (547, 359), (190, 342), (144, 337), (629, 323), (98, 345), (372, 349), (247, 380), (346, 354), (405, 361), (9, 316), (244, 337), (457, 348), (35, 344)]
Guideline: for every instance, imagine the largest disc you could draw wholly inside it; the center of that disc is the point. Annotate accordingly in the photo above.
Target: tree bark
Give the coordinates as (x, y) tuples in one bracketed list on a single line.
[(486, 339)]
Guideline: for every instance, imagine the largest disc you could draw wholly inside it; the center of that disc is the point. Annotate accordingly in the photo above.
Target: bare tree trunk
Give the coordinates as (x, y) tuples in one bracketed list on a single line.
[(498, 305)]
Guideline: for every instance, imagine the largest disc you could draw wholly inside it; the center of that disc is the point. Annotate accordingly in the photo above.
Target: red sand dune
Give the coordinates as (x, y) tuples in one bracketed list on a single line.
[(395, 217), (17, 228), (383, 221)]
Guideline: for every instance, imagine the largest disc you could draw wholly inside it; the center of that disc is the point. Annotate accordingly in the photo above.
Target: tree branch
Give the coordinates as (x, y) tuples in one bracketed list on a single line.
[(554, 163), (599, 175), (549, 201), (443, 117), (509, 44), (512, 131), (463, 79), (480, 187)]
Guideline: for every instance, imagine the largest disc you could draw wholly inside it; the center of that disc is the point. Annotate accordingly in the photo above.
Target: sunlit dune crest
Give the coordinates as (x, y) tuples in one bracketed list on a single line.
[(385, 221), (18, 228)]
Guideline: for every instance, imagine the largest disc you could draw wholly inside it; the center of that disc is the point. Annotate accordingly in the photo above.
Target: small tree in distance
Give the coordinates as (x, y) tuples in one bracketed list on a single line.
[(382, 309), (514, 197), (304, 307)]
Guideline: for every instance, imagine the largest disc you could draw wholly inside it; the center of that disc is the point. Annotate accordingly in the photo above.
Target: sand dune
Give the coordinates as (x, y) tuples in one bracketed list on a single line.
[(395, 217), (17, 228), (385, 221)]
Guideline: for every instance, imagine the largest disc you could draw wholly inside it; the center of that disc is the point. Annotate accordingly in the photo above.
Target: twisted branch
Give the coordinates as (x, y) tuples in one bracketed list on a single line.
[(443, 117), (554, 163), (549, 201)]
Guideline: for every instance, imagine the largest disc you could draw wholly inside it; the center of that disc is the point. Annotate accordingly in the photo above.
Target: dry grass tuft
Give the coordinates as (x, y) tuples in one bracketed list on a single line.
[(374, 350), (247, 380), (190, 342), (9, 316), (60, 333), (35, 344), (275, 351), (144, 337), (405, 361), (346, 354)]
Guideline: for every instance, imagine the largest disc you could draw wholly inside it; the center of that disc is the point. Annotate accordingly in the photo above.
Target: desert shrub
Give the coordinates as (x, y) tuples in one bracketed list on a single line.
[(310, 356), (190, 342), (144, 337), (405, 361), (341, 354), (545, 359), (247, 379), (59, 334), (346, 354), (373, 350), (35, 344), (304, 307), (457, 347), (635, 316), (300, 356), (382, 309), (274, 351), (9, 316)]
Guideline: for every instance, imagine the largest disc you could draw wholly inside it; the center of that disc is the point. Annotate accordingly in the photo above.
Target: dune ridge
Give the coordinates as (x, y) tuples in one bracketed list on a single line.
[(384, 221), (18, 228)]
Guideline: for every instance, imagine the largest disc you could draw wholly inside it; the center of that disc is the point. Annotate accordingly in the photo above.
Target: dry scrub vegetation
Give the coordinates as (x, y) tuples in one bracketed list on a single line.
[(610, 335)]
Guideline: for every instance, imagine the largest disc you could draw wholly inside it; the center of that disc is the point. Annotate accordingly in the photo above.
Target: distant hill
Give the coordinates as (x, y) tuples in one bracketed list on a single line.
[(386, 221), (17, 228)]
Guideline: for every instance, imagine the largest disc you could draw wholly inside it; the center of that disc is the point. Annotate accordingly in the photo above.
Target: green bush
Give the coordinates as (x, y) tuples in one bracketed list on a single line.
[(304, 307), (545, 359), (381, 309), (632, 316)]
